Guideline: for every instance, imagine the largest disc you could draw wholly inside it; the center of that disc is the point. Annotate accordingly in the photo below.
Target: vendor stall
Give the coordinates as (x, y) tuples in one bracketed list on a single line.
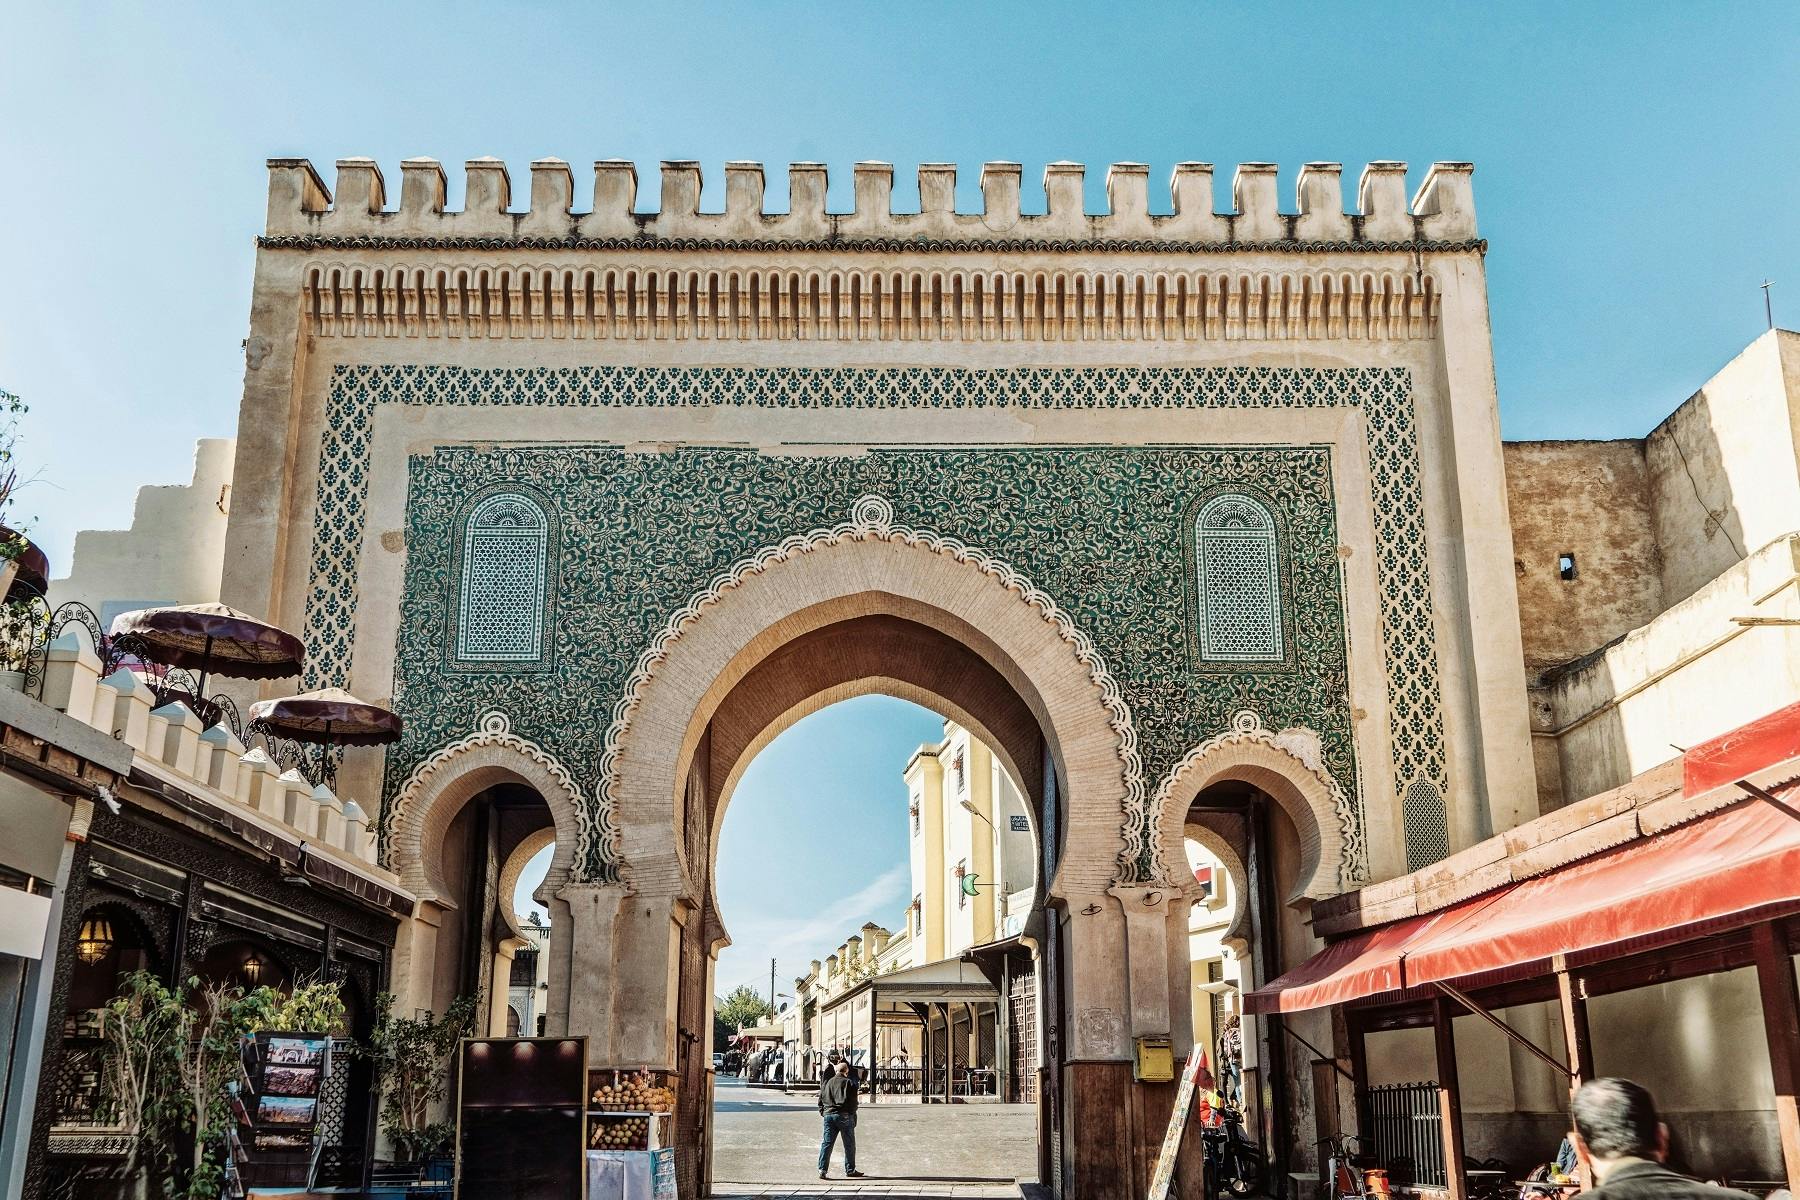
[(1689, 872)]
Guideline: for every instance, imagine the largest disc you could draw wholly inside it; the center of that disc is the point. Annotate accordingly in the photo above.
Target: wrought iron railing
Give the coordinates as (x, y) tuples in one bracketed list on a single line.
[(1407, 1133)]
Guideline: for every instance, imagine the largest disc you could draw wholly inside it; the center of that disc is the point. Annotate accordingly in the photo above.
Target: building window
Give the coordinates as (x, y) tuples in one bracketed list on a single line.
[(962, 779), (913, 808), (1021, 823), (501, 614), (1238, 581), (918, 911), (962, 892)]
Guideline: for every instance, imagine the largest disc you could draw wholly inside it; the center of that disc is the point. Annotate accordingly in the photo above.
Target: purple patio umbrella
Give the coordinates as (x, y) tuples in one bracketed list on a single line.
[(329, 718), (211, 638)]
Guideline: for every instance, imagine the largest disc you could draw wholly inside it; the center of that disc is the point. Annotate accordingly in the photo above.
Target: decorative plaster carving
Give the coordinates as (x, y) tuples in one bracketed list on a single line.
[(1347, 866), (872, 519)]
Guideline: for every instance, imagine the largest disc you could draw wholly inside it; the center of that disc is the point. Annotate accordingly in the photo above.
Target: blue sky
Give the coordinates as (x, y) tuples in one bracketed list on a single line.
[(1635, 168), (815, 839)]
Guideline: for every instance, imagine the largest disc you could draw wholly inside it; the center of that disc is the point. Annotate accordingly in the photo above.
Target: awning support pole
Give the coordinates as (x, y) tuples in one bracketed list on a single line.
[(1781, 1023), (1317, 1053), (874, 1071), (1456, 1181), (1762, 794), (1573, 1003), (1502, 1026)]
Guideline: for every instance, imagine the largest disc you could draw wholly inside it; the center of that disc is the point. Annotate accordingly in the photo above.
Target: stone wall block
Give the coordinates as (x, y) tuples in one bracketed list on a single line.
[(224, 751), (1253, 195), (71, 672), (743, 200), (807, 182), (615, 198), (1065, 206), (552, 196), (874, 183), (329, 811), (1193, 219), (1127, 201), (298, 808), (937, 198), (156, 735), (130, 711), (361, 197), (1381, 198), (297, 197), (356, 825), (1000, 195), (422, 189), (257, 787), (679, 203), (180, 746), (488, 198), (1321, 201), (1446, 202)]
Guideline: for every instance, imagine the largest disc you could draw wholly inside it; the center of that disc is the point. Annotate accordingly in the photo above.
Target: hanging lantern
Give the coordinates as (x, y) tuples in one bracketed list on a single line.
[(94, 941), (253, 969)]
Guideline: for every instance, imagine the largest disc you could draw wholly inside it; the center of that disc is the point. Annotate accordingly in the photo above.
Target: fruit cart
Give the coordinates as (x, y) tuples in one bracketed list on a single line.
[(630, 1116)]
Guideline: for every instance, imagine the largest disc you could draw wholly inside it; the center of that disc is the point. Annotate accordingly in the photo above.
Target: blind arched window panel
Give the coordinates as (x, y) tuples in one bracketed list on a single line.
[(1239, 581), (500, 613)]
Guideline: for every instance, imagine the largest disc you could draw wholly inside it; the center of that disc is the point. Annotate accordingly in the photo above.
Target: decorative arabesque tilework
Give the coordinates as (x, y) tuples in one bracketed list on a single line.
[(1172, 703), (1239, 584), (500, 612)]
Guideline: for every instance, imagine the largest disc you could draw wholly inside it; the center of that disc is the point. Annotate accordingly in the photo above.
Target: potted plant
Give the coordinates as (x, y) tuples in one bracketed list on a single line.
[(411, 1056), (170, 1058), (142, 1027)]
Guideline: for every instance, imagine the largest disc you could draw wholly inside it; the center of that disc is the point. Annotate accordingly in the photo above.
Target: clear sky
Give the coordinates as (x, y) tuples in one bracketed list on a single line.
[(1636, 171), (814, 842)]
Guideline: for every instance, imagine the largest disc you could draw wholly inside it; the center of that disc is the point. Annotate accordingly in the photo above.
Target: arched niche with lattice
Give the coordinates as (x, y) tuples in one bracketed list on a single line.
[(505, 583), (1238, 592)]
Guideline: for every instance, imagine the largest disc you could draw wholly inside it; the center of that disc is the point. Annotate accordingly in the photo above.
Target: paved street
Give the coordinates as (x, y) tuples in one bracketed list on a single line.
[(767, 1144)]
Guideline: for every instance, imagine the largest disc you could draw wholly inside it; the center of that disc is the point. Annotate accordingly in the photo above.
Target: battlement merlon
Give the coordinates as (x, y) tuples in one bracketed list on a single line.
[(1441, 214)]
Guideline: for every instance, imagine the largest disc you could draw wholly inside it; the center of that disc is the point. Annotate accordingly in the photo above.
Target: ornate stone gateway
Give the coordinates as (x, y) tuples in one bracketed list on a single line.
[(608, 499)]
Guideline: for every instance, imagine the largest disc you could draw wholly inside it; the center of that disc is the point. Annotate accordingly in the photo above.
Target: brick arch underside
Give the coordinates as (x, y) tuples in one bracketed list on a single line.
[(854, 579), (879, 654)]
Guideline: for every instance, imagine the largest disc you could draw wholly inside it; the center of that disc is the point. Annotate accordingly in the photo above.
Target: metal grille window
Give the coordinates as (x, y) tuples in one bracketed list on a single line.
[(500, 616), (1426, 820), (1239, 581)]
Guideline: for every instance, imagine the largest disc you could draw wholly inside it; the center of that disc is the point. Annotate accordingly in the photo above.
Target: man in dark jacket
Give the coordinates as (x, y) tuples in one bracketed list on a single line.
[(837, 1107), (1620, 1138)]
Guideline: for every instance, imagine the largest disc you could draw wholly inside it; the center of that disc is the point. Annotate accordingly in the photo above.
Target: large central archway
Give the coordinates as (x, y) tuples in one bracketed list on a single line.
[(873, 607)]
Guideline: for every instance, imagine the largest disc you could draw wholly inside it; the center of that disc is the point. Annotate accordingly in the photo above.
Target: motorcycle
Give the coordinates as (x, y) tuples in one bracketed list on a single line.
[(1234, 1163)]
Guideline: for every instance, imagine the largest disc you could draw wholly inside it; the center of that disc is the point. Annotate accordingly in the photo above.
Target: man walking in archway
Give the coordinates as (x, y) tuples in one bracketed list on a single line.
[(837, 1108)]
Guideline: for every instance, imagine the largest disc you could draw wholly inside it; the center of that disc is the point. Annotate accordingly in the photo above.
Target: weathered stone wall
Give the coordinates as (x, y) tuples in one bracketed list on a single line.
[(1590, 500)]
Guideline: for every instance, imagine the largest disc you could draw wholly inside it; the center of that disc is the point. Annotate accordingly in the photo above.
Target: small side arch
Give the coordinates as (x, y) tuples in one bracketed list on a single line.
[(439, 787), (1252, 754)]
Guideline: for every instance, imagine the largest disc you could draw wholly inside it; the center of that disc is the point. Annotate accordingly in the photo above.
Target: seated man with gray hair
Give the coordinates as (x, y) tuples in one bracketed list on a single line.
[(1620, 1138)]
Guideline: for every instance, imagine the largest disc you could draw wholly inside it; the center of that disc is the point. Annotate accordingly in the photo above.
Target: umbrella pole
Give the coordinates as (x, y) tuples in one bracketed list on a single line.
[(205, 662)]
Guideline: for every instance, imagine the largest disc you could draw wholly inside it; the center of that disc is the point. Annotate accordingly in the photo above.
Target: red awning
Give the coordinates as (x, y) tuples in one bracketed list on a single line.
[(1666, 888)]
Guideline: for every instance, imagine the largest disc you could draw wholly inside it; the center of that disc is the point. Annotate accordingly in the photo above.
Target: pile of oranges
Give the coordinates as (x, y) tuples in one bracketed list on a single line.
[(619, 1133), (637, 1092)]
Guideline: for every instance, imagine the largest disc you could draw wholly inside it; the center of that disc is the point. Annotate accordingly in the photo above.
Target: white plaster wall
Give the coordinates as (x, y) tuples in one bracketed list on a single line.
[(1691, 674), (172, 553), (1725, 467)]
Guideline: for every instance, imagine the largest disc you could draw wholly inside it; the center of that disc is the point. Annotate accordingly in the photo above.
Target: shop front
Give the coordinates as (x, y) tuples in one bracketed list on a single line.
[(1647, 932)]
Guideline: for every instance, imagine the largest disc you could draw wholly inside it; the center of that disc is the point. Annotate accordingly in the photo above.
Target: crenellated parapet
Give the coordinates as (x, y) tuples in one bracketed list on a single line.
[(303, 212)]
